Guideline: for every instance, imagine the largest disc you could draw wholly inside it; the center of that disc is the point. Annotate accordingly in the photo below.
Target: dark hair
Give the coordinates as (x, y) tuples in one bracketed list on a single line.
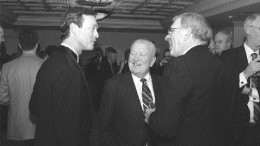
[(109, 50), (50, 49), (73, 15), (28, 38)]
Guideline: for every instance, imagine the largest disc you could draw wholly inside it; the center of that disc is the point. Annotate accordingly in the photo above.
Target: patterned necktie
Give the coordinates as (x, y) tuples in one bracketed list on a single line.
[(254, 83), (147, 95)]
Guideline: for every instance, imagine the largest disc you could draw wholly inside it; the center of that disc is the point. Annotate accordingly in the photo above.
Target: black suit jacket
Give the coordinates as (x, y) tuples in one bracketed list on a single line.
[(241, 132), (122, 121), (60, 102), (189, 112)]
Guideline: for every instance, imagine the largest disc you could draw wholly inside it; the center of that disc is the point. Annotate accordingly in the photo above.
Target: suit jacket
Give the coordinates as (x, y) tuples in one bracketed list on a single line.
[(61, 102), (241, 131), (122, 121), (18, 78), (189, 113)]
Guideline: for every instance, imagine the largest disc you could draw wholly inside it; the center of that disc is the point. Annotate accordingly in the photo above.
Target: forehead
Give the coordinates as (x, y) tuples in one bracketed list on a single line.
[(140, 47), (221, 36), (89, 20), (257, 21), (176, 23)]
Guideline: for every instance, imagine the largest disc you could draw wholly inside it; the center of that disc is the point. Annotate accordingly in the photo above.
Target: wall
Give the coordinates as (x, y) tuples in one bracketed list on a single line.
[(119, 40)]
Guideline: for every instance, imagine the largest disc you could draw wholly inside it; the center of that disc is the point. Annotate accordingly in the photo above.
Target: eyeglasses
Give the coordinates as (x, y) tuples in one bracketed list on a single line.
[(171, 30), (255, 27)]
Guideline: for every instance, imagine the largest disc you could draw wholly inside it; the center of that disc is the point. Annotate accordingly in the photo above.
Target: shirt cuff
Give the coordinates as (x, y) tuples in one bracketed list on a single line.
[(242, 80), (254, 95)]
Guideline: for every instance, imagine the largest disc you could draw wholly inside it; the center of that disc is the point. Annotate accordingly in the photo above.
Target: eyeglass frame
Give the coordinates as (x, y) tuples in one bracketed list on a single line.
[(255, 27), (171, 30)]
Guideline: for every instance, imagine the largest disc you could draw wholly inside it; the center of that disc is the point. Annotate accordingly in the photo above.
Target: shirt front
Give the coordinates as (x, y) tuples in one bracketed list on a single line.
[(254, 96), (139, 84)]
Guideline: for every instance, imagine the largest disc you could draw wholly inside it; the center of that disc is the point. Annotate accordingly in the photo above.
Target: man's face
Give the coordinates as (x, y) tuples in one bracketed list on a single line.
[(141, 58), (254, 33), (221, 43), (87, 33), (174, 37), (112, 57)]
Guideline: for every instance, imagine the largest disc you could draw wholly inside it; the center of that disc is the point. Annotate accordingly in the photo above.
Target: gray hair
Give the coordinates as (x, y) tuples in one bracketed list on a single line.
[(198, 24)]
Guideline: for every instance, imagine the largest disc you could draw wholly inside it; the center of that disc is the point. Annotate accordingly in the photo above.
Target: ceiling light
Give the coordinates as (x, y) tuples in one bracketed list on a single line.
[(230, 16), (101, 14), (94, 2)]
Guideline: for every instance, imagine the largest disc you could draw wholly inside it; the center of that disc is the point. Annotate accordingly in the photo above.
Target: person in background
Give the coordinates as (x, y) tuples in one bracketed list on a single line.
[(124, 65), (60, 100), (222, 42), (166, 58), (190, 110), (243, 89), (18, 78), (122, 120)]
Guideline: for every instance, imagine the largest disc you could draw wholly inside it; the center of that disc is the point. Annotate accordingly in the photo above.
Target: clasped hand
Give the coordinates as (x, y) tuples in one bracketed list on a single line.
[(252, 68), (148, 112)]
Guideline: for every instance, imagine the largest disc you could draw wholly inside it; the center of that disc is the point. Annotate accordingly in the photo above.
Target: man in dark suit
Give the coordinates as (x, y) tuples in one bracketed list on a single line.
[(122, 120), (187, 113), (61, 100), (244, 129)]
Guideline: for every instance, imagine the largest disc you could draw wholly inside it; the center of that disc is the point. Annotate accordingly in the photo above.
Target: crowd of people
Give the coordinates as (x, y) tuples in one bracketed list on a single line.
[(203, 92)]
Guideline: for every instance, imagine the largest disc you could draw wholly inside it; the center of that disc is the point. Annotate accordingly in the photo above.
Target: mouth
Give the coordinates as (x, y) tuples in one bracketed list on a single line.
[(137, 64)]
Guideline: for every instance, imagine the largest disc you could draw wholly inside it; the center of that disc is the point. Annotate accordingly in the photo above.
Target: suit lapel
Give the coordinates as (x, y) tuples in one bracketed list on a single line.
[(242, 56), (132, 95)]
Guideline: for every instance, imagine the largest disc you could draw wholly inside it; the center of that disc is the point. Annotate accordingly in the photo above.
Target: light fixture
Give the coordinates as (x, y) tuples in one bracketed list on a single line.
[(94, 2), (101, 14)]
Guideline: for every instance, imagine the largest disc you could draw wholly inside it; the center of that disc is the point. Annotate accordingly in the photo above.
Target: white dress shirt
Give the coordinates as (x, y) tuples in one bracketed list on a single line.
[(254, 96), (139, 84)]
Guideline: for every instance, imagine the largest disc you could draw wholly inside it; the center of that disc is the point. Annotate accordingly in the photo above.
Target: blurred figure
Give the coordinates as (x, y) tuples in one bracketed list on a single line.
[(122, 121), (61, 99), (16, 86), (222, 42), (190, 110), (124, 65), (166, 58), (243, 67)]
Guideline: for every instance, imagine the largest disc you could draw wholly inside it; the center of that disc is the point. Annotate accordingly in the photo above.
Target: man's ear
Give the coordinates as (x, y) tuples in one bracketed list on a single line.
[(73, 28), (187, 33), (153, 61)]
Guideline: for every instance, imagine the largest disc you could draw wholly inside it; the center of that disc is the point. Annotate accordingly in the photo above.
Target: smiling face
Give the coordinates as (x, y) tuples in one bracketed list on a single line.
[(141, 58), (87, 34), (175, 37)]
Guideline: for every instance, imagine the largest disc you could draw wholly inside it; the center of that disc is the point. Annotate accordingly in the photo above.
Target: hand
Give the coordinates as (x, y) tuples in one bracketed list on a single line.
[(147, 113), (246, 90), (252, 68)]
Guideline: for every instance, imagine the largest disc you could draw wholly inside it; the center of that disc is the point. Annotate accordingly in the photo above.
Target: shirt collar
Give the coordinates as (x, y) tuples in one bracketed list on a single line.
[(147, 77), (72, 49), (249, 51)]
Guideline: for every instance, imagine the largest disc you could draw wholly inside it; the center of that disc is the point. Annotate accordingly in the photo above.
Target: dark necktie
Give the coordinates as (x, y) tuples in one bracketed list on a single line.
[(147, 95), (254, 83)]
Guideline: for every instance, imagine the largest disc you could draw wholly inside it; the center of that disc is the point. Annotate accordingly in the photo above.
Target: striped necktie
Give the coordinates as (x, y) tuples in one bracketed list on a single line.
[(146, 95)]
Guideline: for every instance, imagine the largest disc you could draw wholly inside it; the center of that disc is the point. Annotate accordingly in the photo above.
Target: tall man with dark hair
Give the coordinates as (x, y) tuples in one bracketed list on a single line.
[(187, 113), (61, 99), (243, 70), (18, 78)]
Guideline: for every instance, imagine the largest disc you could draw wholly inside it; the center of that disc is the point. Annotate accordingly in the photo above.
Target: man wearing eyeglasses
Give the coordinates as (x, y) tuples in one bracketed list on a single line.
[(187, 114), (243, 74)]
